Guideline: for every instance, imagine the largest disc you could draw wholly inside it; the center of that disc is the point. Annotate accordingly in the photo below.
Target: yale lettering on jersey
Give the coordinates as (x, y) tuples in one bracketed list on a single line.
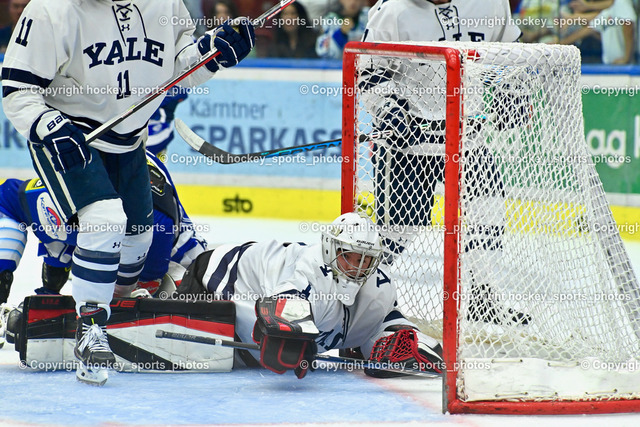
[(147, 50), (450, 24)]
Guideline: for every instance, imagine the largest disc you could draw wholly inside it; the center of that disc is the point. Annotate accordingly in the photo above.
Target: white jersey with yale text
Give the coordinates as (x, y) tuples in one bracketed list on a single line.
[(93, 59), (247, 272), (458, 20), (423, 21)]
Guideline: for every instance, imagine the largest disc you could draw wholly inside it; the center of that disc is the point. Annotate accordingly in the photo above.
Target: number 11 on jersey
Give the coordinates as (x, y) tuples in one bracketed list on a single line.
[(124, 88)]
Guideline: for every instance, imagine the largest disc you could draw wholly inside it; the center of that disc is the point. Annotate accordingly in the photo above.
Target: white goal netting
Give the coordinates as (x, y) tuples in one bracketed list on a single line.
[(548, 304)]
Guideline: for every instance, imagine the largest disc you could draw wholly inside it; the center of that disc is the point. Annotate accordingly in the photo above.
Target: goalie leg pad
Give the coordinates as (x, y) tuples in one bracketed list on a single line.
[(47, 334)]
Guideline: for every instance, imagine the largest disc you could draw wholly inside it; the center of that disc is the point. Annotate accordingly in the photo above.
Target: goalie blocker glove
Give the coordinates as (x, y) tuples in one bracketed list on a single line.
[(286, 333), (409, 348), (65, 142), (233, 45)]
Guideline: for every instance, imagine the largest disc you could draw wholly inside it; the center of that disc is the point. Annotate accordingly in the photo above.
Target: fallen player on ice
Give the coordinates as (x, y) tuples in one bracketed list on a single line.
[(296, 300), (293, 300)]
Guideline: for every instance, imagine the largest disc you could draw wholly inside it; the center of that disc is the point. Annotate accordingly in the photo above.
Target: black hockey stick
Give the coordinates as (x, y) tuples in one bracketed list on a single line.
[(349, 363), (218, 155), (110, 124), (205, 340)]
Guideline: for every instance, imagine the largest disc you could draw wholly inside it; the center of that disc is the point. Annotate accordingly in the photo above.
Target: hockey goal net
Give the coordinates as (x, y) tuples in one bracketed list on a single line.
[(471, 159)]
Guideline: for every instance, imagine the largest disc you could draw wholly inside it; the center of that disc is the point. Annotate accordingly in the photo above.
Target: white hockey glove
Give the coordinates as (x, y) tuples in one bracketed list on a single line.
[(233, 45), (286, 333), (64, 141)]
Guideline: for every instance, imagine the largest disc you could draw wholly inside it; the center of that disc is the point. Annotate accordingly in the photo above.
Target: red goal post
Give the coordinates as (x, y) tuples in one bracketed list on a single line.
[(534, 107), (452, 59)]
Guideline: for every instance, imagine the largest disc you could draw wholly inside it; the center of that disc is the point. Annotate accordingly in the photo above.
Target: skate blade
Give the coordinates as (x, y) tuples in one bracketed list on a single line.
[(92, 376)]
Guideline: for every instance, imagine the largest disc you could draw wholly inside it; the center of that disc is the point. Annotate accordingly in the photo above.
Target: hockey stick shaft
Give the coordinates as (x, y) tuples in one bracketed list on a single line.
[(325, 357), (218, 155), (221, 156), (113, 122), (205, 340)]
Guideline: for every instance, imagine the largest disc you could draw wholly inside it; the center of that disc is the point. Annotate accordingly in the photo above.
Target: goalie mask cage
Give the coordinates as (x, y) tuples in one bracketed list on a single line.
[(471, 160)]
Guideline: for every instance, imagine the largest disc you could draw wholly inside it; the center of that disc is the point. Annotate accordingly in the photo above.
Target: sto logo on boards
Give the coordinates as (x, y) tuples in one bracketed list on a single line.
[(237, 205)]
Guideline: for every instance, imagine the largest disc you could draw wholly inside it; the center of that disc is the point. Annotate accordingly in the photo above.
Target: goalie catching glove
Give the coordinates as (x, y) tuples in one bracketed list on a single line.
[(408, 348), (285, 331)]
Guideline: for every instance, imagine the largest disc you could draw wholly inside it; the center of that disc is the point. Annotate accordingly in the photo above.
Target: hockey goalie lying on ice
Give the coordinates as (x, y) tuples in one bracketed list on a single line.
[(293, 300)]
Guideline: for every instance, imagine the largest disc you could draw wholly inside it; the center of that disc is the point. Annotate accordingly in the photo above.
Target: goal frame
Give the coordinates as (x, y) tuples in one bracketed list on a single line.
[(454, 61)]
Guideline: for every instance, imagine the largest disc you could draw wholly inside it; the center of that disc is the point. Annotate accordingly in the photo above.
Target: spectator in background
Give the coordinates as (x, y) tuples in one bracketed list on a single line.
[(294, 37), (195, 10), (539, 23), (574, 15), (250, 8), (15, 10), (316, 9), (536, 17), (220, 11), (339, 28), (616, 26), (584, 6)]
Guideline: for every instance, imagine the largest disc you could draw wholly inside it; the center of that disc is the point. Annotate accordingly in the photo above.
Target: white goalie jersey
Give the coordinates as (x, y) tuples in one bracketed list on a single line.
[(253, 270), (102, 56)]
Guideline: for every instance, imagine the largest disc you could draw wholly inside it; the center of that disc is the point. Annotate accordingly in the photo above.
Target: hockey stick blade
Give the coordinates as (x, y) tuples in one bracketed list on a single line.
[(114, 121), (218, 155), (349, 363)]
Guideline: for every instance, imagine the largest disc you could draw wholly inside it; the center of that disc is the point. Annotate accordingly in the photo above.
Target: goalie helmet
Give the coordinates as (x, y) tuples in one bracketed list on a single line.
[(352, 248)]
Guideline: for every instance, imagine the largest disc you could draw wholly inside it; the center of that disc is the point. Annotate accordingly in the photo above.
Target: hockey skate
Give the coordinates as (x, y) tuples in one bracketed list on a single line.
[(92, 347)]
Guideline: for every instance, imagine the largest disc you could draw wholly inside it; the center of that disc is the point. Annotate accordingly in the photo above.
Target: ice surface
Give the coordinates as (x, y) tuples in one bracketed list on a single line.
[(242, 397)]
